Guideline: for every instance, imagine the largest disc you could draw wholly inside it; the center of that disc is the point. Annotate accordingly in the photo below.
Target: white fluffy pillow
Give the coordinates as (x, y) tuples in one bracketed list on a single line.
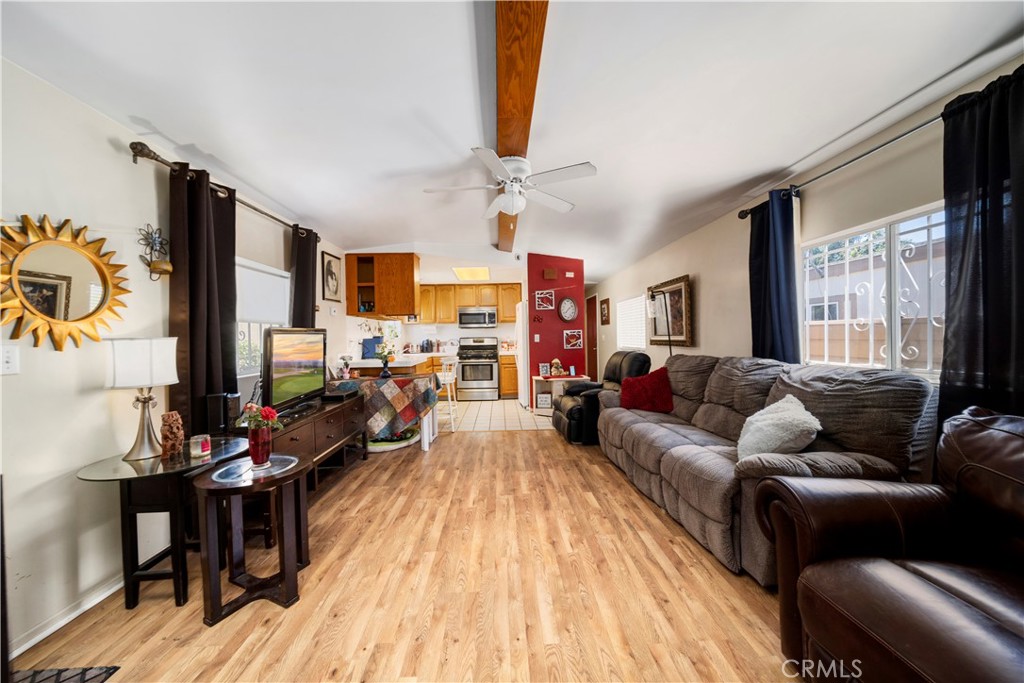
[(783, 427)]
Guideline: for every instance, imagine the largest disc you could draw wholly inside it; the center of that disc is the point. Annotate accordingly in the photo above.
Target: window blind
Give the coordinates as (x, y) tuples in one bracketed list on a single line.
[(631, 325), (263, 293)]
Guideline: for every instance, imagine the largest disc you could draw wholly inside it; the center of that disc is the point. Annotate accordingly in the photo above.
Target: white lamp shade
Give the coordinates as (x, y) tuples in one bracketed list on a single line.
[(138, 363)]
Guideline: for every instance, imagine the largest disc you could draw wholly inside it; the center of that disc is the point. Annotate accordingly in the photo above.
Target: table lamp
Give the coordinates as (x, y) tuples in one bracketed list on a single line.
[(143, 364)]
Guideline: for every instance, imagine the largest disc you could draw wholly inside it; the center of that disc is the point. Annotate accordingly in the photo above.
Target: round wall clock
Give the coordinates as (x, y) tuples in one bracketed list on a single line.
[(567, 309)]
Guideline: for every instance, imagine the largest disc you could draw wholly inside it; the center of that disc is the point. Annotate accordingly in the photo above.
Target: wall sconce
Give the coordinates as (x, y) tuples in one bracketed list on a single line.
[(154, 252)]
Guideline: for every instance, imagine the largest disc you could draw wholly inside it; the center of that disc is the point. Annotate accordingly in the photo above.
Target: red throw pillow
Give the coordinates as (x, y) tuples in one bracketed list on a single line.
[(648, 392)]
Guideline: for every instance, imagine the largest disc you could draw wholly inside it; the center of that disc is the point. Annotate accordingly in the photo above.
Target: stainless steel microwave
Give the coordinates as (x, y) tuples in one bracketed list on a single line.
[(478, 316)]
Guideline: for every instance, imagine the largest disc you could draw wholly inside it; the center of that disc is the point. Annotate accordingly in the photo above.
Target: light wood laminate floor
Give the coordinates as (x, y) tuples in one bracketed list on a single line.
[(494, 556)]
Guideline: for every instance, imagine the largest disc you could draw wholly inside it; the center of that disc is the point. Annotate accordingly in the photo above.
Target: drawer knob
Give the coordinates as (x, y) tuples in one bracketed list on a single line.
[(294, 438), (330, 436)]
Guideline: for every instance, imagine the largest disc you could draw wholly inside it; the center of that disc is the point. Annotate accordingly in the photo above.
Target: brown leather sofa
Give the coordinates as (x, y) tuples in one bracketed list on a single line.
[(907, 582)]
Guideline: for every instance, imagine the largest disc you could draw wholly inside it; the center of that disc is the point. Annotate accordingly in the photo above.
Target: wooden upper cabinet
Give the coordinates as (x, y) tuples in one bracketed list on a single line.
[(509, 294), (444, 304), (382, 284), (465, 295), (487, 295), (428, 312)]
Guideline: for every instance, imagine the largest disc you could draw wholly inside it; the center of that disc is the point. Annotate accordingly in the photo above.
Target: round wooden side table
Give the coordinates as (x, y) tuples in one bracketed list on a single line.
[(286, 477)]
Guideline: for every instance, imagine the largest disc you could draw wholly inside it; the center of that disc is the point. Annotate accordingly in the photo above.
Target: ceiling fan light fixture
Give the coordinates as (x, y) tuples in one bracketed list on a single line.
[(512, 203)]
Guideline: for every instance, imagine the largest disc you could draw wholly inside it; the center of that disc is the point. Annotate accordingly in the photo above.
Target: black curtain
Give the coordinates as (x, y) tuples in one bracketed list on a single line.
[(983, 175), (773, 313), (304, 277), (202, 297)]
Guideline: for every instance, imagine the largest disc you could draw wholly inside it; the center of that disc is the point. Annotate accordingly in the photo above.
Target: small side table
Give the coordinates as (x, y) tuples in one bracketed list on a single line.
[(555, 386), (286, 475)]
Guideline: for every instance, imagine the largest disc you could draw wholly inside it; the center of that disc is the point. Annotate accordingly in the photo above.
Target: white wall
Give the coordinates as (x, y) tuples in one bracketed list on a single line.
[(63, 536), (903, 176)]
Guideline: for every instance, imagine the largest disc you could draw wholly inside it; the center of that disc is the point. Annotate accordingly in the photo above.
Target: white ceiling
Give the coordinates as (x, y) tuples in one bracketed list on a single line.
[(338, 114)]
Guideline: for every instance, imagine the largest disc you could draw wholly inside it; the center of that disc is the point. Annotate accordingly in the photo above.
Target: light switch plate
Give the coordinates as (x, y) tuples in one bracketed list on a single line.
[(536, 338), (11, 360)]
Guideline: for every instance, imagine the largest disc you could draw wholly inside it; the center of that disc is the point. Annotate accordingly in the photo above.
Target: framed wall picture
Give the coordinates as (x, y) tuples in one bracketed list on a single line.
[(330, 276), (673, 312), (572, 339), (544, 300), (606, 311), (544, 369), (48, 293)]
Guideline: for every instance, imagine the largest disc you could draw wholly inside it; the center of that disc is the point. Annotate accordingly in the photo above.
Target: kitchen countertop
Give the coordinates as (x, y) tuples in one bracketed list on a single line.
[(408, 360)]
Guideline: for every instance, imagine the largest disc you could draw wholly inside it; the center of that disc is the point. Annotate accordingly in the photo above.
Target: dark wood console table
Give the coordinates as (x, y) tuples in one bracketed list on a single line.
[(286, 478), (330, 427), (157, 485)]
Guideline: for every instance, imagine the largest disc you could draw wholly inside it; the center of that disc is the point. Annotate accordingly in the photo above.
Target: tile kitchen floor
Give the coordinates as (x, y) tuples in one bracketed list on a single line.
[(490, 416)]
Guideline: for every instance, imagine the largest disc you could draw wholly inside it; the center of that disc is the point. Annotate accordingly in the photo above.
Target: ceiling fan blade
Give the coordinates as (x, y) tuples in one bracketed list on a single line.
[(550, 201), (462, 187), (492, 162), (557, 175), (494, 209)]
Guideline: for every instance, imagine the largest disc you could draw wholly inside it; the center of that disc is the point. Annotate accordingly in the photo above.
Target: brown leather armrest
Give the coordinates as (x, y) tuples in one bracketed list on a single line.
[(812, 519)]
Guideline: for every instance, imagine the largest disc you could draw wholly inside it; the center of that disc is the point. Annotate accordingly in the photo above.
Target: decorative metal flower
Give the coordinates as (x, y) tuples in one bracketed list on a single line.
[(154, 248)]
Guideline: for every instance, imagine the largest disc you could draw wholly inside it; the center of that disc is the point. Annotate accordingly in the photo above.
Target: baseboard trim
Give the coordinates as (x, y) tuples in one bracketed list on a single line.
[(97, 595)]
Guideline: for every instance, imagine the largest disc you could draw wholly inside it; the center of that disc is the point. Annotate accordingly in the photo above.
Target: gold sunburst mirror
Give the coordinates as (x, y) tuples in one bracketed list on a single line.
[(56, 282)]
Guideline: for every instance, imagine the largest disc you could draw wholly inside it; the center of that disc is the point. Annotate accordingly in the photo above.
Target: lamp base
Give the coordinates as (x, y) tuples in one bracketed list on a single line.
[(147, 443)]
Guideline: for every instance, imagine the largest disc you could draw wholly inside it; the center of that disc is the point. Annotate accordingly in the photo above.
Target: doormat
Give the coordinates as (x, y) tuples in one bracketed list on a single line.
[(95, 674)]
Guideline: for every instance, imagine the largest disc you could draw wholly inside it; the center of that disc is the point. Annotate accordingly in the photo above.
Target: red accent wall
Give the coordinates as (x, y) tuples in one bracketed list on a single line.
[(547, 323)]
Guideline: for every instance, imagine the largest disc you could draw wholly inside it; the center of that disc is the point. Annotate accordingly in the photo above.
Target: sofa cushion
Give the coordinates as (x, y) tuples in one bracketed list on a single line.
[(737, 388), (688, 376), (864, 410), (648, 392), (907, 622), (704, 477), (647, 442), (782, 427), (816, 464)]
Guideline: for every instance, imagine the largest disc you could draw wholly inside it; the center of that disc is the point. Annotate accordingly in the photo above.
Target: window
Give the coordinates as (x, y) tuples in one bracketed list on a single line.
[(631, 323), (849, 317), (263, 302)]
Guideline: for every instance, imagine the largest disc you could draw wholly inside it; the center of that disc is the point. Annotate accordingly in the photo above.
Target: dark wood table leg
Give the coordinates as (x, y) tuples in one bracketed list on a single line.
[(179, 559), (302, 522), (286, 542), (129, 547), (236, 537), (209, 551)]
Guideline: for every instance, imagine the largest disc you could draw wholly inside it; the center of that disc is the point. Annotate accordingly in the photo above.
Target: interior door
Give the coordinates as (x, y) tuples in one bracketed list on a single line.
[(591, 323)]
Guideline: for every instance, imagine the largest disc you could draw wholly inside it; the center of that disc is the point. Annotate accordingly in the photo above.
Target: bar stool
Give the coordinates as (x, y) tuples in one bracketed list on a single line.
[(449, 370)]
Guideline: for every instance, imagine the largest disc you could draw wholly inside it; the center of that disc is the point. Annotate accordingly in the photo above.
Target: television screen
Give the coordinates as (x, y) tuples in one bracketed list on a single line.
[(296, 364)]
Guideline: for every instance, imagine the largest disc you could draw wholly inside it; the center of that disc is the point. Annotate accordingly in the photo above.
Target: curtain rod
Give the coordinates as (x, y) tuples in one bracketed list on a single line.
[(141, 149), (795, 189)]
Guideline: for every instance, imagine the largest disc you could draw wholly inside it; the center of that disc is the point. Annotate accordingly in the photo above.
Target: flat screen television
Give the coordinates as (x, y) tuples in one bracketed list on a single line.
[(294, 367)]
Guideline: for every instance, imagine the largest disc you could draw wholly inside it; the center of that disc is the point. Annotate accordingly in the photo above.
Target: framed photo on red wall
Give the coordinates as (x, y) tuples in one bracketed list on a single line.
[(544, 300)]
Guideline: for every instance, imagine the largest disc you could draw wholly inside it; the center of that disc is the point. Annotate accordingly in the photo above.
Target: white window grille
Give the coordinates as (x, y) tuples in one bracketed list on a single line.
[(262, 302), (848, 316), (631, 323)]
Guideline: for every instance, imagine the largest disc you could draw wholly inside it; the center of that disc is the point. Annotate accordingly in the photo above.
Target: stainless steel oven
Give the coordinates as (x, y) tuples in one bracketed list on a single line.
[(477, 378), (478, 316)]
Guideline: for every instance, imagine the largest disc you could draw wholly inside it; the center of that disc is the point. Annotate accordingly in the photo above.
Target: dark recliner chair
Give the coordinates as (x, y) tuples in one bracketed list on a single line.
[(891, 581), (575, 411)]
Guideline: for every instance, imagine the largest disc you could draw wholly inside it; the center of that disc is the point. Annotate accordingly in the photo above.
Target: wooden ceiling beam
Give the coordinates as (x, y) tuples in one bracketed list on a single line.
[(520, 36)]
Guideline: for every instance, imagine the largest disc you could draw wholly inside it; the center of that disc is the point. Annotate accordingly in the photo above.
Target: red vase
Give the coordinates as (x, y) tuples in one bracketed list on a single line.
[(259, 447)]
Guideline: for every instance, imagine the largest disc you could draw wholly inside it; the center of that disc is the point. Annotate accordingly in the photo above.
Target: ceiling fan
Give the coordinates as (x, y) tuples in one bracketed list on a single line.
[(518, 183)]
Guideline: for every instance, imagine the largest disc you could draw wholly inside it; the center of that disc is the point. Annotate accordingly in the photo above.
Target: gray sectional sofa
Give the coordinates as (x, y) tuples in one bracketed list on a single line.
[(876, 424)]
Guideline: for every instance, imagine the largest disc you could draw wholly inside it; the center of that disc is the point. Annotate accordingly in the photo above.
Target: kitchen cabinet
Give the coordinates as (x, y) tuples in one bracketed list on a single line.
[(465, 295), (444, 304), (509, 294), (378, 285), (428, 311), (487, 295), (508, 377)]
